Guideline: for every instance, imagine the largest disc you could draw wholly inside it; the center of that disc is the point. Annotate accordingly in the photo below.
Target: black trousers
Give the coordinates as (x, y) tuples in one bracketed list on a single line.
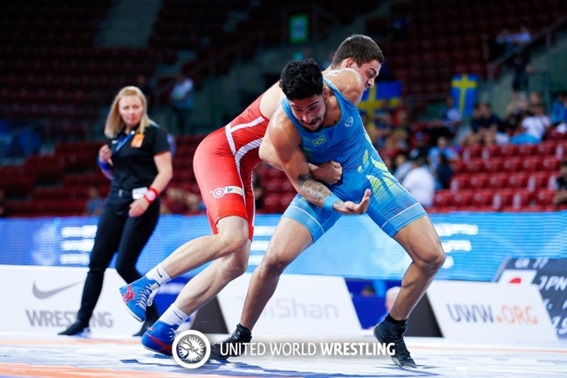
[(119, 234)]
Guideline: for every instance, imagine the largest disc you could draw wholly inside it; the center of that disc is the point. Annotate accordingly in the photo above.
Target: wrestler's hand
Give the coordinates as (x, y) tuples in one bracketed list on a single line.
[(328, 173), (350, 207)]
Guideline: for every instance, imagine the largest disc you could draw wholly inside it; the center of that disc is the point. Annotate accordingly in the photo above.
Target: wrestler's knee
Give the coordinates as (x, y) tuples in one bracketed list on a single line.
[(274, 264), (232, 241), (431, 258), (235, 264)]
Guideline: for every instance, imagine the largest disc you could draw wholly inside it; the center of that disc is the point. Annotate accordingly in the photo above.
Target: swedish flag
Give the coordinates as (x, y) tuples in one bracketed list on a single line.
[(464, 89), (385, 94)]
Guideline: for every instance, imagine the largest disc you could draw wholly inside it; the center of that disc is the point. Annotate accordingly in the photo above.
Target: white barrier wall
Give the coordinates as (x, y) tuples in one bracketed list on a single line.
[(487, 311), (46, 299), (301, 306)]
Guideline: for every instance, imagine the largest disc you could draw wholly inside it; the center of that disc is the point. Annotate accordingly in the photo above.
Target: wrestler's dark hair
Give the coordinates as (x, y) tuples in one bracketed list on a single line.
[(361, 48), (301, 79)]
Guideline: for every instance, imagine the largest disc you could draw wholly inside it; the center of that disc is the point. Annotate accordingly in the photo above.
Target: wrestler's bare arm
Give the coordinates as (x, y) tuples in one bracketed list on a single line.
[(287, 149), (268, 153), (329, 173)]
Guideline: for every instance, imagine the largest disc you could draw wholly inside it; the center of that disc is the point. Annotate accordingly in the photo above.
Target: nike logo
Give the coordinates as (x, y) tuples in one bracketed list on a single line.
[(43, 294), (128, 295), (163, 347)]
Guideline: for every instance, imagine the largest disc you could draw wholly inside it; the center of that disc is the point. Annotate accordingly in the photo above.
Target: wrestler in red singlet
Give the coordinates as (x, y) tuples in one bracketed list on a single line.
[(223, 165)]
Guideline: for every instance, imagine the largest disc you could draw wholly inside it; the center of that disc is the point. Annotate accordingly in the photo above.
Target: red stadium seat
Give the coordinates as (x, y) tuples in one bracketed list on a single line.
[(522, 199), (460, 181), (287, 186), (512, 164), (262, 170), (21, 208), (443, 198), (471, 152), (285, 200), (502, 198), (509, 150), (272, 203), (482, 198), (273, 184), (527, 149), (463, 198), (546, 148), (474, 165), (544, 197), (518, 180), (441, 209), (554, 134), (498, 180), (490, 151), (479, 181), (532, 163), (552, 182), (561, 151), (458, 167), (550, 164), (493, 165), (273, 172), (538, 180)]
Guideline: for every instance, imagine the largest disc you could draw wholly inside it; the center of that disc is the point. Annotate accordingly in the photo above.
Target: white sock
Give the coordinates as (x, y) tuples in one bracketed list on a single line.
[(173, 316), (159, 274)]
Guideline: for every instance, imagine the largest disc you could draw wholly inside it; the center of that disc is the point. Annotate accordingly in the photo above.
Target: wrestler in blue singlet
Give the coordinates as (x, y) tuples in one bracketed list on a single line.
[(391, 206)]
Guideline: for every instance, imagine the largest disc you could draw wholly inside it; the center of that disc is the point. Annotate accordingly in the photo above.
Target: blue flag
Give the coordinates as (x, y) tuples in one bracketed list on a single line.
[(384, 95), (464, 88)]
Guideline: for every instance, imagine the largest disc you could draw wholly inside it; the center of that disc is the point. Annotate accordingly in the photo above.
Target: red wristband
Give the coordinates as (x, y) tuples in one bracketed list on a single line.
[(151, 195)]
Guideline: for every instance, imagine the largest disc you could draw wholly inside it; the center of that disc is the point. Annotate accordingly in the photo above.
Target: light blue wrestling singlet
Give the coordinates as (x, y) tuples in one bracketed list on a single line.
[(391, 206)]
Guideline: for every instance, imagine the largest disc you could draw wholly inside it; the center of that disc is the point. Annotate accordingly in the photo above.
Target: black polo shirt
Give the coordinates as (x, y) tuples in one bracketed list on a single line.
[(133, 157)]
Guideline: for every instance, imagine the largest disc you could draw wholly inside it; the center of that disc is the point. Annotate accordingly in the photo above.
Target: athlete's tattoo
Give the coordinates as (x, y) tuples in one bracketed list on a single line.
[(314, 191)]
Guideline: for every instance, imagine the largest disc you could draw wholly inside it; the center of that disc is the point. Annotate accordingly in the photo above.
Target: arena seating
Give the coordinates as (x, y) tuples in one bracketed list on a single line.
[(52, 71), (222, 32), (56, 185), (503, 178), (444, 37)]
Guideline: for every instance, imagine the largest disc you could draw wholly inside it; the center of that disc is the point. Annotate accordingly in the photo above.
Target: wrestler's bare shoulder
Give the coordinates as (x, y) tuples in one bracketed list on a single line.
[(271, 100), (349, 82)]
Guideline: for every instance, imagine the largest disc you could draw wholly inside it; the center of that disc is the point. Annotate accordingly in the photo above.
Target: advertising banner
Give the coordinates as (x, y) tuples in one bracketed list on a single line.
[(301, 306), (550, 276), (488, 311), (46, 300), (476, 244)]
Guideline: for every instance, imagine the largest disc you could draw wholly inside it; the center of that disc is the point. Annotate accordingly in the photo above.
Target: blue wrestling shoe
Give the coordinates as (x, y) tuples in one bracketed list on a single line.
[(387, 332), (138, 295), (159, 338)]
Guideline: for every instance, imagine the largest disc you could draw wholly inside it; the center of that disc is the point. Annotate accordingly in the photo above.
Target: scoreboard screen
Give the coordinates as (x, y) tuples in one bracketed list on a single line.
[(550, 276)]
